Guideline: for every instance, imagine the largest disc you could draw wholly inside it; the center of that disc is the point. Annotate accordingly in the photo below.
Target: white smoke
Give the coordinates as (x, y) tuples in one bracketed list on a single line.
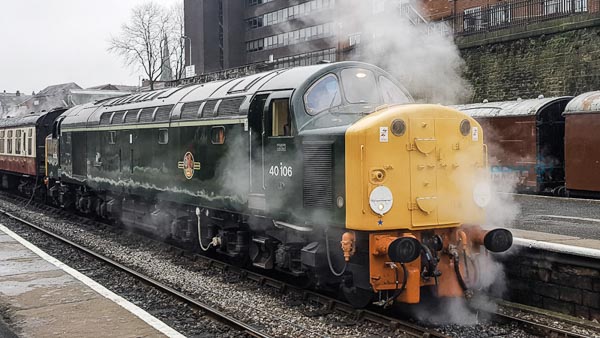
[(421, 55)]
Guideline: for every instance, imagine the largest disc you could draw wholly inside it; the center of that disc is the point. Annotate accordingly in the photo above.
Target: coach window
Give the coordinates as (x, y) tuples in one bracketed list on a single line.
[(163, 136), (18, 143), (217, 135), (2, 142), (30, 141), (281, 122), (9, 142)]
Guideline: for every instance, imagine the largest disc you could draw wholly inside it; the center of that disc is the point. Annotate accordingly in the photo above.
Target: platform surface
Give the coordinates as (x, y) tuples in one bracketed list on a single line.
[(558, 220), (41, 299)]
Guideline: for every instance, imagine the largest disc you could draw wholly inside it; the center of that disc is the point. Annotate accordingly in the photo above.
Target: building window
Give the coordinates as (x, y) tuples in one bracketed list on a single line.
[(472, 19), (306, 59), (251, 3), (564, 6), (288, 13), (2, 142), (353, 39), (292, 37)]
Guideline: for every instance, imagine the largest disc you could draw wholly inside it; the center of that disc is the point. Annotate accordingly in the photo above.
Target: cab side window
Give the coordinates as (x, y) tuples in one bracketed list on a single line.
[(280, 118)]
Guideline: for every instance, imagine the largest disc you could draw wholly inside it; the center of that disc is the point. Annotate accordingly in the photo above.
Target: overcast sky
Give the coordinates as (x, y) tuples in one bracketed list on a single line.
[(50, 42)]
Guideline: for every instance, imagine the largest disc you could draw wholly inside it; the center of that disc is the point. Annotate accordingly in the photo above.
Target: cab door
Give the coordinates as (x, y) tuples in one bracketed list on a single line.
[(273, 150)]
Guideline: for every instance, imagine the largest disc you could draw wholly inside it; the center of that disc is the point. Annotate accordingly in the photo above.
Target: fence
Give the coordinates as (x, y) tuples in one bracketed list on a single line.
[(517, 13)]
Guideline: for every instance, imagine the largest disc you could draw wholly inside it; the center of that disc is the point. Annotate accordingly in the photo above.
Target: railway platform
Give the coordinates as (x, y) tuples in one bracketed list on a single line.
[(555, 260), (42, 297)]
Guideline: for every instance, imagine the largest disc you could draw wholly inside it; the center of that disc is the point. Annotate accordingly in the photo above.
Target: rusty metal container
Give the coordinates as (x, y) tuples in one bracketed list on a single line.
[(582, 145), (525, 142)]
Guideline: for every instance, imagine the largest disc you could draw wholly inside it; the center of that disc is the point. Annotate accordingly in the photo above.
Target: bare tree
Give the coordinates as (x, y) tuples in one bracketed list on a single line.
[(176, 40), (141, 42)]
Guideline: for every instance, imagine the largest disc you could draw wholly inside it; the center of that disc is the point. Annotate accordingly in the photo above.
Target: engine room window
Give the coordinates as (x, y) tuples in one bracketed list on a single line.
[(217, 135), (360, 86), (163, 136), (281, 125), (112, 137), (323, 95), (390, 92)]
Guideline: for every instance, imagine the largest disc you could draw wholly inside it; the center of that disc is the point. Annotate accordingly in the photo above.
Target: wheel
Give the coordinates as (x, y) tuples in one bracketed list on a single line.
[(358, 298)]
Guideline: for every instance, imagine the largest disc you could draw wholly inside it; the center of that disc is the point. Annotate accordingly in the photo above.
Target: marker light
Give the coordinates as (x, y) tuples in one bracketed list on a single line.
[(482, 194), (381, 200)]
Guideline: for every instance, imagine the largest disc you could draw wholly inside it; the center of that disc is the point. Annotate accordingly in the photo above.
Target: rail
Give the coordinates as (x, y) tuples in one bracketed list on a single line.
[(231, 321), (328, 304)]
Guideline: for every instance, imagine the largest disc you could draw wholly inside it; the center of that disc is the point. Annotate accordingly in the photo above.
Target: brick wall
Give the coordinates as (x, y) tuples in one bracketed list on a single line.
[(559, 283), (557, 57)]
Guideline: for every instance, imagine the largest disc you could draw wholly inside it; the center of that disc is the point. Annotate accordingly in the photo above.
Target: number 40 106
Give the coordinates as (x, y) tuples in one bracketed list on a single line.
[(281, 170)]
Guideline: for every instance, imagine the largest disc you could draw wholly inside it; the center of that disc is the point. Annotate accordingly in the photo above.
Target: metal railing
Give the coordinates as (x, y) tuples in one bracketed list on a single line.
[(514, 13)]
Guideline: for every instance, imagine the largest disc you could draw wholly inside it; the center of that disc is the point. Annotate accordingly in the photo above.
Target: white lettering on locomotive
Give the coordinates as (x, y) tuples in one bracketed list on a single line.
[(281, 170)]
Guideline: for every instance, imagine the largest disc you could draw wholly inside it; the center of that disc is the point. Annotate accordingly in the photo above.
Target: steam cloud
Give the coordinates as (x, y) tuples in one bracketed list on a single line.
[(424, 59)]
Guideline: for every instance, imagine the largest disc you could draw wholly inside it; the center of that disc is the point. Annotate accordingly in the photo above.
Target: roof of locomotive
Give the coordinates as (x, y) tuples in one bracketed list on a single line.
[(234, 93), (27, 120), (518, 107), (586, 103)]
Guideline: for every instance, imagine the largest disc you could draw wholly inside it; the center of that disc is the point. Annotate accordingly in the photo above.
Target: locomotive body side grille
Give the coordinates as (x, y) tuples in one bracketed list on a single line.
[(230, 106), (118, 117), (190, 110), (317, 185), (209, 107), (163, 113), (146, 115), (105, 118)]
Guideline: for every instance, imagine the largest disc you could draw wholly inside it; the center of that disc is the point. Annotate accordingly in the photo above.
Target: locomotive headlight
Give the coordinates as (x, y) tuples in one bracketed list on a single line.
[(381, 200), (482, 194)]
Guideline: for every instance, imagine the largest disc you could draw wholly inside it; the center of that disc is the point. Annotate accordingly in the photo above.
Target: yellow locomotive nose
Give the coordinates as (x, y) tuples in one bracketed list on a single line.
[(417, 182), (415, 167)]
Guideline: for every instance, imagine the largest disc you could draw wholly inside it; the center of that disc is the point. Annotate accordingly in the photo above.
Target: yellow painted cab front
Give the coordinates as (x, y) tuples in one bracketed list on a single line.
[(416, 175)]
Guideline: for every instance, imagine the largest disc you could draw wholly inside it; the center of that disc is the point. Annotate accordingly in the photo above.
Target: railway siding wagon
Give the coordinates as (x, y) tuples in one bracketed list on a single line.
[(525, 140), (22, 148), (582, 153)]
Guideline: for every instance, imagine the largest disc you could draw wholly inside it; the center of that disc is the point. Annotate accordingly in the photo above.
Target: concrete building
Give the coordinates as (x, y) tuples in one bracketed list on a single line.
[(231, 33)]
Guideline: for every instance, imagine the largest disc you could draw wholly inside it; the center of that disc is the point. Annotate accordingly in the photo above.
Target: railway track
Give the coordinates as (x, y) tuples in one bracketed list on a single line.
[(327, 304), (195, 303)]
